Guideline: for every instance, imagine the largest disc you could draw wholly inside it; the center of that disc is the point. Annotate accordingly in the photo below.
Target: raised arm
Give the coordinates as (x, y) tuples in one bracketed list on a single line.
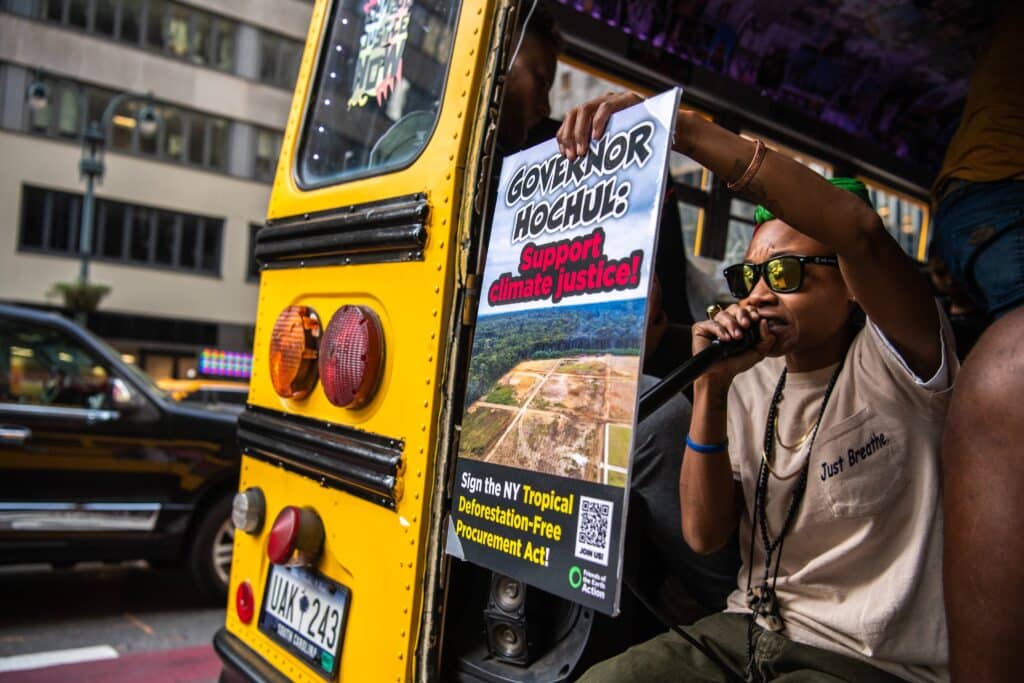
[(882, 278)]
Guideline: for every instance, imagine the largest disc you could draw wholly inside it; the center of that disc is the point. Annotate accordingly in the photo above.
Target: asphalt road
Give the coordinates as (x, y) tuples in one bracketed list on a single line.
[(110, 621)]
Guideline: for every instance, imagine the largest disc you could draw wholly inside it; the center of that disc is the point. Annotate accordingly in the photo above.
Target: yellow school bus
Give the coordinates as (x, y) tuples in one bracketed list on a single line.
[(368, 289)]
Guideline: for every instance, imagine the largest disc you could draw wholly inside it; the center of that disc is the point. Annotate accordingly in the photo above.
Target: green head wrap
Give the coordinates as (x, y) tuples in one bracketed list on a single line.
[(763, 215)]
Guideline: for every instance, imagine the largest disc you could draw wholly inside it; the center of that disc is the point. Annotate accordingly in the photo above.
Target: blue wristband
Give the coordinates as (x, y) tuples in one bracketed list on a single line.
[(706, 448)]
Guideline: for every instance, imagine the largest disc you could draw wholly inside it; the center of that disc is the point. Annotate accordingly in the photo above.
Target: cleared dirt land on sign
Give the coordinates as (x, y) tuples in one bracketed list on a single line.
[(554, 416)]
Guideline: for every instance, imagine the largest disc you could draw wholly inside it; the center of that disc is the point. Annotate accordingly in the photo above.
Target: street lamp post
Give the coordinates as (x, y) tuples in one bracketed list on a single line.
[(91, 165)]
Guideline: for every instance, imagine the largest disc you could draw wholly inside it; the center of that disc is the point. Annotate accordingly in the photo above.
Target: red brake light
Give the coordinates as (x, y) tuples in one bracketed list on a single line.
[(281, 542), (352, 356), (293, 352), (296, 538), (244, 602)]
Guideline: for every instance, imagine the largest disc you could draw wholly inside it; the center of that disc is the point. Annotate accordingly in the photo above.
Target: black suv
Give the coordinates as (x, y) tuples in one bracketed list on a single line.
[(98, 463)]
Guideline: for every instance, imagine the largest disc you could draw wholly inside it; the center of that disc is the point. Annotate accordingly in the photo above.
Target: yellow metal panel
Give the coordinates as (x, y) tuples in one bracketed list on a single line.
[(376, 552), (368, 548)]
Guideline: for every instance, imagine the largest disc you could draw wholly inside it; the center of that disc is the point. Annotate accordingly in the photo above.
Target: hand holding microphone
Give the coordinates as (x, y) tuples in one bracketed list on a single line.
[(741, 337), (718, 354)]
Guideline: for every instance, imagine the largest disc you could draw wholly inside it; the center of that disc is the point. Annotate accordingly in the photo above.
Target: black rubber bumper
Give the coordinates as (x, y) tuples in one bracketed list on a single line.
[(241, 663)]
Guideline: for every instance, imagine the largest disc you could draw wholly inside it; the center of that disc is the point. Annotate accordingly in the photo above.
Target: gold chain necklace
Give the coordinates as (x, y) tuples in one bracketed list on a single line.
[(794, 447), (800, 442)]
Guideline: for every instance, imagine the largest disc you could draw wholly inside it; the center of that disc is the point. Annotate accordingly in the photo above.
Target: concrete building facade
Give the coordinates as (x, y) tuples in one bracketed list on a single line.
[(175, 211)]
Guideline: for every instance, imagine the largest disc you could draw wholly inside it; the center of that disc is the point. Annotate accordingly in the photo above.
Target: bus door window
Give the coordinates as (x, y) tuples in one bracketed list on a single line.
[(377, 90)]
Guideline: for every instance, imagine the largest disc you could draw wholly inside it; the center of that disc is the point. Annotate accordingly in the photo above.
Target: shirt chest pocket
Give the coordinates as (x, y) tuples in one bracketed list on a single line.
[(861, 466)]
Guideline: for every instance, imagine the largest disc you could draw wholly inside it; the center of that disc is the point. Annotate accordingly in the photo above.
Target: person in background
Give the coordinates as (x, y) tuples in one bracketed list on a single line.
[(979, 220), (983, 489), (979, 192), (820, 444), (528, 83)]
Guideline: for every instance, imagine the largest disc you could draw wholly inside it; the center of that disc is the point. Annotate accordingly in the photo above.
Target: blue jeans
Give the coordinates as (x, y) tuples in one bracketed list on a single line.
[(979, 230)]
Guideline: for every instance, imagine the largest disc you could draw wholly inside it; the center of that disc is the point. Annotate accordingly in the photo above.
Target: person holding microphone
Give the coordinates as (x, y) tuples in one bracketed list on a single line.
[(820, 443)]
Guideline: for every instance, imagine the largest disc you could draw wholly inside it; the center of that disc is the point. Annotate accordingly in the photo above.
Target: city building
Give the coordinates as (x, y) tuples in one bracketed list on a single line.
[(175, 211)]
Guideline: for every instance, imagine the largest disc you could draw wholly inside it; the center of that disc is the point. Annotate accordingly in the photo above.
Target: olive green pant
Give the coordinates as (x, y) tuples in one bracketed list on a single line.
[(776, 658)]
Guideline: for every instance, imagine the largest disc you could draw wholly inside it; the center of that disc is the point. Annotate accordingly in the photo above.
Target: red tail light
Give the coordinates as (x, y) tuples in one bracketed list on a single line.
[(245, 605), (293, 352), (352, 356), (296, 538)]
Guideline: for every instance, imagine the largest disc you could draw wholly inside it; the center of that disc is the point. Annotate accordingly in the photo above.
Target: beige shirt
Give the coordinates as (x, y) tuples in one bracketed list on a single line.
[(861, 568)]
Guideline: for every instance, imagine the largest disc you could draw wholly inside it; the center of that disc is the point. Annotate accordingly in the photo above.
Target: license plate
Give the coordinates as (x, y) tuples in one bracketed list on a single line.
[(305, 613)]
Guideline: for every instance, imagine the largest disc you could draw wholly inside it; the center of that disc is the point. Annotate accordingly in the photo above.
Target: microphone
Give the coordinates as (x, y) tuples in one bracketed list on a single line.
[(687, 373)]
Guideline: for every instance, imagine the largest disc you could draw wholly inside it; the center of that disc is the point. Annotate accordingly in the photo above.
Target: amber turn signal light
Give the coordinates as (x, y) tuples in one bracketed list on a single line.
[(293, 352), (352, 356)]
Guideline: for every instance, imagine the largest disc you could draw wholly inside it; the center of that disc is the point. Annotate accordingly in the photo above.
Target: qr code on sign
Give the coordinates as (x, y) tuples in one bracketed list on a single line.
[(593, 531)]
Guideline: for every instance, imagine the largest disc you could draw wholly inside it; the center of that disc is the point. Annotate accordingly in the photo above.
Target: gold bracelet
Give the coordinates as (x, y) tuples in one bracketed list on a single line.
[(741, 183)]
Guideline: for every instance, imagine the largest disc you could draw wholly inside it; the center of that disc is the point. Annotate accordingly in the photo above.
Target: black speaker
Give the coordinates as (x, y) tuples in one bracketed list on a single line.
[(507, 596), (509, 635)]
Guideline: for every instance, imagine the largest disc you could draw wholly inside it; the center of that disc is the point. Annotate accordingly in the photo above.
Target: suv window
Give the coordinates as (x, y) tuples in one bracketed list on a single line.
[(45, 367), (378, 87)]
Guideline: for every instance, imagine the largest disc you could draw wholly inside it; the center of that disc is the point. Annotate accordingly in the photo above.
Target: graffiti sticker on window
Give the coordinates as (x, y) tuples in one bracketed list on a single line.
[(379, 67)]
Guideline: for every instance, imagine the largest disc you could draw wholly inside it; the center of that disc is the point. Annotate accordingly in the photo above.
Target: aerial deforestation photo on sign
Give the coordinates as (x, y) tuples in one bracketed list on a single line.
[(553, 391)]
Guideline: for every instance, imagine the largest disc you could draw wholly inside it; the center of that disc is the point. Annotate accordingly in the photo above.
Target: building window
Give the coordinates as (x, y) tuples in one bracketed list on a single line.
[(279, 60), (268, 146), (49, 220), (175, 29), (184, 136), (52, 10), (124, 233), (218, 132), (106, 18), (78, 13), (131, 21), (155, 15), (222, 44), (252, 272), (33, 218)]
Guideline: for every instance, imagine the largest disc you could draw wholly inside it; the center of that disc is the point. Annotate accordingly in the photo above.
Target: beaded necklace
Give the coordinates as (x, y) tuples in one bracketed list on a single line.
[(761, 600)]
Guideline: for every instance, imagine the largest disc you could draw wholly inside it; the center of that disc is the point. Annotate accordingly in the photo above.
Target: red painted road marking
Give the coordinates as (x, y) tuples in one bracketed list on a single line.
[(186, 665)]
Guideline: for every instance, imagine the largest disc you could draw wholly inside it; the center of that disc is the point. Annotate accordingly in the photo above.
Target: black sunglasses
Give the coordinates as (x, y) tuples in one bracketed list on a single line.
[(781, 273)]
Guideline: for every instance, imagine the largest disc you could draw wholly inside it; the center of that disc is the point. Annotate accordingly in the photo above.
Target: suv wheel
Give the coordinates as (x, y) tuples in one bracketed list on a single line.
[(212, 545)]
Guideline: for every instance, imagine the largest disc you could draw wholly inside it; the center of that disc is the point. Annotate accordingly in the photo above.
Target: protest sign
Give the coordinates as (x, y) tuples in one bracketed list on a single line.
[(544, 450)]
